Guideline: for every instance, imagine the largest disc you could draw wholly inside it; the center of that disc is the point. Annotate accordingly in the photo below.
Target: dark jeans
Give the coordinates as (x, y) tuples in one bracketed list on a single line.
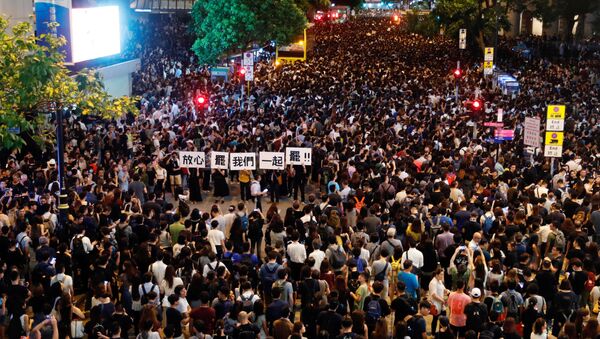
[(299, 185), (255, 244), (245, 191)]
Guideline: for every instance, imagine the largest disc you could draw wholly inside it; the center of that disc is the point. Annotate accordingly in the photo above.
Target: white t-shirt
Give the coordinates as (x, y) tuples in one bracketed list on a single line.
[(318, 255), (66, 280), (212, 267), (215, 237), (415, 256), (437, 287), (151, 335), (164, 286)]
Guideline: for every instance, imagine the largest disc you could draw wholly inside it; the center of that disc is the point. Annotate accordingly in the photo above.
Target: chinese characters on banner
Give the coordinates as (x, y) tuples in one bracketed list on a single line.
[(272, 160), (298, 156), (219, 160), (242, 161), (192, 159), (247, 161)]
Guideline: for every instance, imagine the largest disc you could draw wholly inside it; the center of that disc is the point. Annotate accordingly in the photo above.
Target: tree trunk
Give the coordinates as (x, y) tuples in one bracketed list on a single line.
[(568, 30), (580, 31)]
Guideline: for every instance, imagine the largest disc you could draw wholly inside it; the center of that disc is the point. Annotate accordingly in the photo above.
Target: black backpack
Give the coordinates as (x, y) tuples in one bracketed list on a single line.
[(144, 297), (476, 316), (78, 249)]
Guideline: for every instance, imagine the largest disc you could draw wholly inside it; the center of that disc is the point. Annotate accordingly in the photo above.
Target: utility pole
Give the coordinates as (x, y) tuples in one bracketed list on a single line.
[(63, 206)]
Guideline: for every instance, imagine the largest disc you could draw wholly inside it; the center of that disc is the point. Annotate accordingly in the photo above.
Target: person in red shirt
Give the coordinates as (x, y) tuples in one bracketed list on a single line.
[(205, 313), (456, 309)]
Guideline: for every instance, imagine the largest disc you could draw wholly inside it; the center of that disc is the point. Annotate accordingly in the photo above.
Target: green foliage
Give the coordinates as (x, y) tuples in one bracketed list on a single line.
[(425, 25), (228, 26), (480, 22), (34, 77)]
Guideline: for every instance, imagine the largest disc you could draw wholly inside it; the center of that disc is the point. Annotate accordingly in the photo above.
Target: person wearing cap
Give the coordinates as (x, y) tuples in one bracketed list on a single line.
[(457, 301), (476, 312)]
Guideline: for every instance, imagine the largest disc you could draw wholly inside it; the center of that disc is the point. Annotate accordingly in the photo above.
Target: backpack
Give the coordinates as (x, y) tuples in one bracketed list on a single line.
[(213, 269), (476, 316), (359, 204), (396, 266), (360, 266), (559, 239), (380, 276), (374, 311), (411, 327), (246, 260), (338, 258), (144, 298), (590, 282), (512, 308), (247, 304), (497, 307), (227, 260), (78, 249), (269, 277), (244, 222), (488, 222)]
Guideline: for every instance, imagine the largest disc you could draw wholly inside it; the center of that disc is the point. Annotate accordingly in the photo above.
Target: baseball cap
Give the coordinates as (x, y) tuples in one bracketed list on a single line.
[(476, 292)]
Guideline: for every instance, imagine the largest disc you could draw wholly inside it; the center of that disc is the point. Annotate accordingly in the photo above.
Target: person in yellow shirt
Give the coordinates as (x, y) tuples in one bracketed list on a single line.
[(244, 178)]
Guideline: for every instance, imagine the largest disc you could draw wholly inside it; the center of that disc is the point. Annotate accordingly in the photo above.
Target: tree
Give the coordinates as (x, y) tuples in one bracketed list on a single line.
[(481, 23), (34, 77), (230, 26)]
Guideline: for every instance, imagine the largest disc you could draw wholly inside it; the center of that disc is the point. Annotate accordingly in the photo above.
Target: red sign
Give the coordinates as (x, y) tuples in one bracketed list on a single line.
[(505, 133), (493, 124)]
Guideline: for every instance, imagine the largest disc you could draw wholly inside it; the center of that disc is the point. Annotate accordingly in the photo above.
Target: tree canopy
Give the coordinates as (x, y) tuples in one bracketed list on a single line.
[(34, 77), (481, 23), (230, 26)]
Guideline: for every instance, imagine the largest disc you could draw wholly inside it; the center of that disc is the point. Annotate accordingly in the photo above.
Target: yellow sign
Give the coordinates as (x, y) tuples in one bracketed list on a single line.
[(489, 50), (554, 138), (488, 64), (556, 112)]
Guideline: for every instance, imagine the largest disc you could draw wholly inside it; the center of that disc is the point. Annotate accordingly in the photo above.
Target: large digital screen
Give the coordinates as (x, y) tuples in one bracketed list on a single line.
[(95, 32)]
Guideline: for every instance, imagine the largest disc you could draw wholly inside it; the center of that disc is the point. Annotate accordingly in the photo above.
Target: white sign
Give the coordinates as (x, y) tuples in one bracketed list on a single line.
[(553, 151), (500, 113), (249, 75), (242, 161), (272, 160), (555, 125), (531, 137), (219, 160), (488, 54), (298, 156), (248, 59), (462, 38), (192, 159)]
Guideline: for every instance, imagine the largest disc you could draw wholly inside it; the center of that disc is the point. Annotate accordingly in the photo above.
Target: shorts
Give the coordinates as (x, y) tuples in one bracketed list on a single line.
[(175, 180), (459, 331)]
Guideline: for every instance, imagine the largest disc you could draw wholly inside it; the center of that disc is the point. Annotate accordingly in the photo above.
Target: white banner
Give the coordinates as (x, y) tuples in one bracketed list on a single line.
[(249, 75), (298, 156), (242, 161), (272, 160), (531, 137), (192, 159), (219, 160)]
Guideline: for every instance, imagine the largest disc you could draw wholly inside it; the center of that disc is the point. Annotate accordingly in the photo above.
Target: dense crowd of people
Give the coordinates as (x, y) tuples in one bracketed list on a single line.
[(410, 221)]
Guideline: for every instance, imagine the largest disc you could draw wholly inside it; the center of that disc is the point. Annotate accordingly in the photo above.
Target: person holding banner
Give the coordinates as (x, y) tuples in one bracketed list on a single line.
[(221, 188), (256, 192)]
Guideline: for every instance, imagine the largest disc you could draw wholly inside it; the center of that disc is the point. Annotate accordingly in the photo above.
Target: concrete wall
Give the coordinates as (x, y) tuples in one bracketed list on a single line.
[(117, 78), (17, 10)]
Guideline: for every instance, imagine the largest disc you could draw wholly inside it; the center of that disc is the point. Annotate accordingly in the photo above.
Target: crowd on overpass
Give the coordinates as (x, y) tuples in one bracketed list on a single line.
[(409, 222)]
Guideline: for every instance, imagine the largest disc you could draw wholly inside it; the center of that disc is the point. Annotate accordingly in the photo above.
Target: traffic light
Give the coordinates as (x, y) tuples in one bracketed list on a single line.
[(457, 73), (476, 105), (200, 100)]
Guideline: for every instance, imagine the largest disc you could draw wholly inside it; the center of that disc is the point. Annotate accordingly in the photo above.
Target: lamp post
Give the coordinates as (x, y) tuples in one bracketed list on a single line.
[(60, 163)]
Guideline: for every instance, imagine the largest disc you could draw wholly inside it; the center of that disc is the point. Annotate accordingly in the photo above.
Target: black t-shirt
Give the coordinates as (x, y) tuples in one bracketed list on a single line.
[(15, 294), (174, 319), (246, 331), (403, 306)]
